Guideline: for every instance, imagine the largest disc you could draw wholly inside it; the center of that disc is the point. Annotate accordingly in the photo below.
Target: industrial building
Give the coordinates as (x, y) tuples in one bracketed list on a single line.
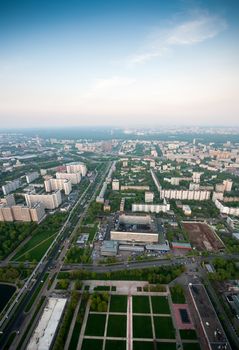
[(162, 248), (109, 248)]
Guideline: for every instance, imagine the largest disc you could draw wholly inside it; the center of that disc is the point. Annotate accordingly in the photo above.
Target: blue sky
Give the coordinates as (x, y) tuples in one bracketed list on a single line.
[(119, 63)]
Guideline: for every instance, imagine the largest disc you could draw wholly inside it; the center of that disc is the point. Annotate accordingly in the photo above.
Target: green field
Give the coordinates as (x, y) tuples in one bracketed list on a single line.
[(115, 345), (142, 327), (160, 305), (188, 334), (95, 325), (141, 304), (191, 346), (166, 346), (144, 345), (92, 344), (117, 326), (164, 327), (42, 237), (118, 303), (35, 248)]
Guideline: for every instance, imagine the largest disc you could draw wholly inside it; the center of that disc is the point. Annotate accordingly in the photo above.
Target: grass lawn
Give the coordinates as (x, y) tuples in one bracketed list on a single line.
[(118, 303), (92, 344), (164, 327), (102, 288), (115, 344), (141, 304), (177, 296), (160, 305), (166, 346), (95, 325), (142, 327), (144, 345), (188, 334), (36, 253), (117, 326), (191, 346)]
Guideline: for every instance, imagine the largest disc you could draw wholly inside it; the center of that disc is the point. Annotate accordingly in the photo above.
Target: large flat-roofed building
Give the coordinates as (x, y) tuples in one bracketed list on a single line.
[(75, 178), (76, 167), (207, 320), (109, 248), (58, 184), (135, 228), (49, 201), (44, 333)]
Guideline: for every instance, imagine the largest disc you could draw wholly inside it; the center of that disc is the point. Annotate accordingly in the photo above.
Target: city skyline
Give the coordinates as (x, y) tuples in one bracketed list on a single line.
[(128, 63)]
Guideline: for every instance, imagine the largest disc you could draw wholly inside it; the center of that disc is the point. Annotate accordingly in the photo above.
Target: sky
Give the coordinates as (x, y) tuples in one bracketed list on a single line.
[(123, 63)]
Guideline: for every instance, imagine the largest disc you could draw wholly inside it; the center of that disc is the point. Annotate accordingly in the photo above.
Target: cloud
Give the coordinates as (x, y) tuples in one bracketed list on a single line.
[(104, 86), (190, 32)]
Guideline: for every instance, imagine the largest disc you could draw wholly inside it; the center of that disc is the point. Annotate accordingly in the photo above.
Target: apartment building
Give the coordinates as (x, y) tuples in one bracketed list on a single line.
[(76, 167), (58, 184), (11, 186), (32, 176), (49, 201), (75, 178)]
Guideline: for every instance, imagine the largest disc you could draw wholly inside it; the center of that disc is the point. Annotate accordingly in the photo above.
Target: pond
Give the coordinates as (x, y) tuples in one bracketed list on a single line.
[(6, 292)]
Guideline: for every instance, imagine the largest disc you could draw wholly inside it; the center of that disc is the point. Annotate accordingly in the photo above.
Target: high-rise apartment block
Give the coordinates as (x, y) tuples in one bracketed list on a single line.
[(76, 167), (227, 185), (11, 186), (22, 213), (75, 178), (49, 201), (148, 197), (32, 176), (115, 185), (58, 184)]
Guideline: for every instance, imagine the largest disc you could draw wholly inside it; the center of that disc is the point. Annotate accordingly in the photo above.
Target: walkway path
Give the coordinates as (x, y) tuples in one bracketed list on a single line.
[(72, 325)]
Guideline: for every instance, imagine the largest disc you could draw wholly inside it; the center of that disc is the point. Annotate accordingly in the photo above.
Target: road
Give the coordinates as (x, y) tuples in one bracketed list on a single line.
[(51, 261)]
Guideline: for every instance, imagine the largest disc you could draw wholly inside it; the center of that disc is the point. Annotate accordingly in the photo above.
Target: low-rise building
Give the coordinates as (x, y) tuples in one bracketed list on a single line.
[(109, 248), (44, 333)]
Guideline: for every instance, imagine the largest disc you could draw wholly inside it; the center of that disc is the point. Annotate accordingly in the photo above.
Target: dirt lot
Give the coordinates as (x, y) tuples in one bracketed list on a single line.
[(202, 236)]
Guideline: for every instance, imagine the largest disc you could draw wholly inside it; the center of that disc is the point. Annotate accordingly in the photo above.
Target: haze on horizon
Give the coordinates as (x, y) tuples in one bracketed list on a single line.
[(149, 62)]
